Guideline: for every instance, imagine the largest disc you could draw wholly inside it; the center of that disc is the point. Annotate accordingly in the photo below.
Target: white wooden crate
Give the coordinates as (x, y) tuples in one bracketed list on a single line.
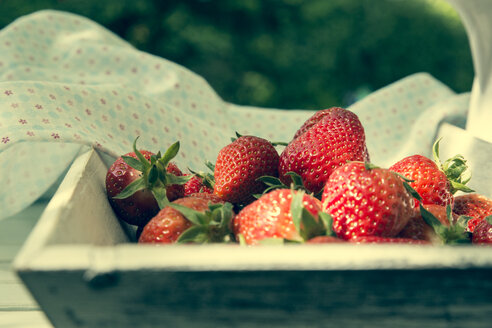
[(84, 270)]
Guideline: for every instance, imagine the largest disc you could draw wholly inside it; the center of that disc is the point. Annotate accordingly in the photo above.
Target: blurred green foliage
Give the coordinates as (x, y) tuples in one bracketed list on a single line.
[(287, 54)]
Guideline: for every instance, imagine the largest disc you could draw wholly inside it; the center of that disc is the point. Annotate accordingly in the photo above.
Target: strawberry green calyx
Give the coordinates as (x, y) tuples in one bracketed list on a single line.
[(211, 226), (279, 143), (370, 166), (305, 223), (454, 233), (275, 183), (455, 169), (488, 219), (154, 174), (274, 143), (328, 222), (238, 135), (207, 178)]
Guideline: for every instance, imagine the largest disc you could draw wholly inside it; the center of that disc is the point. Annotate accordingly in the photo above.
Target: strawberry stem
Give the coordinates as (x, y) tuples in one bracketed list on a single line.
[(305, 223), (455, 169), (154, 174), (455, 233), (211, 226)]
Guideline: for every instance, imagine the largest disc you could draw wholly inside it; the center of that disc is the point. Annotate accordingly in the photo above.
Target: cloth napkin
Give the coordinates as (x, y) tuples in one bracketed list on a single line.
[(67, 84)]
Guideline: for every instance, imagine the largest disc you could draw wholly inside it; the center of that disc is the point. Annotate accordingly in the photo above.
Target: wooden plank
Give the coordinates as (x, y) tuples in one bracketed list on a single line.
[(15, 295), (373, 298), (348, 256), (24, 319), (17, 306)]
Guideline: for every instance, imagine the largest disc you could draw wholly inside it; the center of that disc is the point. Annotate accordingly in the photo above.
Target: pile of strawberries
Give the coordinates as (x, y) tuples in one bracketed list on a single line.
[(322, 188)]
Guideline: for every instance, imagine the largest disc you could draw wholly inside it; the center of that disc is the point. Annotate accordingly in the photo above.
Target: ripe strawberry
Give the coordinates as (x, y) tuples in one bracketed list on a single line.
[(280, 214), (240, 164), (417, 228), (475, 205), (205, 195), (336, 138), (434, 182), (325, 240), (315, 119), (189, 220), (387, 240), (176, 190), (139, 183), (483, 232), (366, 201), (195, 185)]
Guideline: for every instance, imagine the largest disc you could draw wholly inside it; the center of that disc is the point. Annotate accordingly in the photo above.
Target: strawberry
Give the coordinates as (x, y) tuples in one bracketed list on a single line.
[(450, 230), (205, 195), (325, 240), (282, 214), (475, 205), (189, 220), (417, 228), (337, 137), (365, 200), (139, 183), (195, 185), (483, 232), (387, 240), (240, 164), (435, 182), (315, 119)]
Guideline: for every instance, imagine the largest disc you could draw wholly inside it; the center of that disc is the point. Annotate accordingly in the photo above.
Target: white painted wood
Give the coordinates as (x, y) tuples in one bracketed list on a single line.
[(17, 307), (24, 319), (78, 213), (102, 280)]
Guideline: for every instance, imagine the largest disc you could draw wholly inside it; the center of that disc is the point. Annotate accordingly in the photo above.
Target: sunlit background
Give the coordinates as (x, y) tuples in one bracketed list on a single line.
[(290, 54)]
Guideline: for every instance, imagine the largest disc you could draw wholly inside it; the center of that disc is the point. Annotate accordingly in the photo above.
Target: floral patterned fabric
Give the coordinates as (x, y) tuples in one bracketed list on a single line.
[(67, 84)]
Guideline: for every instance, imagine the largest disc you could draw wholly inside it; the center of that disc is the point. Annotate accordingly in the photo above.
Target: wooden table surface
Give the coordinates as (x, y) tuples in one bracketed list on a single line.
[(17, 307)]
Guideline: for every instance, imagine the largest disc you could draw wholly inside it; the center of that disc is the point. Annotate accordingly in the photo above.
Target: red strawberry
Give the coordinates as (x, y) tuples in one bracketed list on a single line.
[(240, 164), (138, 208), (195, 185), (189, 220), (325, 240), (430, 182), (174, 191), (336, 138), (366, 201), (280, 214), (475, 205), (483, 232), (417, 228), (434, 182), (140, 182), (205, 195), (387, 240), (315, 119)]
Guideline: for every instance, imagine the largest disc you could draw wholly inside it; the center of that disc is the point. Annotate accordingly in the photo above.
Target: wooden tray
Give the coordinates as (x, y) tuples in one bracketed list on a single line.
[(82, 267)]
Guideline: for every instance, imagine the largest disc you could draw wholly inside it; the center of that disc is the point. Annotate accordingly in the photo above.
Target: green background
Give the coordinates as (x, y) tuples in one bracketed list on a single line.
[(289, 54)]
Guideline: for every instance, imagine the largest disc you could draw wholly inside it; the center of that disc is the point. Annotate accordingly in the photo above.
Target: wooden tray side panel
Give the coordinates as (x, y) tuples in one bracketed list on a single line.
[(375, 298), (87, 216)]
